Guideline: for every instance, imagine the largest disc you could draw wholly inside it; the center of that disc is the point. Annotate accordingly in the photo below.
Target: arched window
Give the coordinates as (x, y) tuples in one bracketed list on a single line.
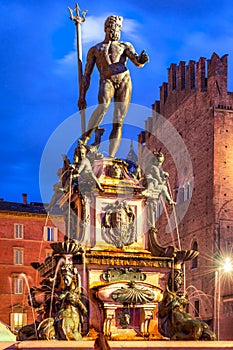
[(196, 308), (180, 195), (195, 260), (189, 191)]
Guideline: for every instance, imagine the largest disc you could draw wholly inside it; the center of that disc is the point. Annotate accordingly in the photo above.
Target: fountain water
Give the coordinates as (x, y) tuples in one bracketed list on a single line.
[(111, 237), (58, 300), (122, 280), (174, 321), (58, 266), (30, 302)]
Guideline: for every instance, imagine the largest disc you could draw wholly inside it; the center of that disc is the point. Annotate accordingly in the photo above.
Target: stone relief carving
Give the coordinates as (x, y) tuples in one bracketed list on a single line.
[(121, 274), (118, 225), (133, 295)]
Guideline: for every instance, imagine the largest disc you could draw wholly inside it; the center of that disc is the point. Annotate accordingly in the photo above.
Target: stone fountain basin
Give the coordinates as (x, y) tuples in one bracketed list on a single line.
[(119, 345)]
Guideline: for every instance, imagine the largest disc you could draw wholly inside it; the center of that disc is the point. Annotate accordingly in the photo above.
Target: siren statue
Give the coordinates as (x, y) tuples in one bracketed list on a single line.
[(174, 322)]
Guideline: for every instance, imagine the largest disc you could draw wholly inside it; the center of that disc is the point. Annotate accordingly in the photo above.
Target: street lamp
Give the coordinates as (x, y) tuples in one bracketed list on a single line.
[(225, 266)]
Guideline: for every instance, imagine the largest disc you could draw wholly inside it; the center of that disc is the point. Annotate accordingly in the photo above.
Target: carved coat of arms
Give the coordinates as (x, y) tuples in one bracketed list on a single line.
[(118, 224)]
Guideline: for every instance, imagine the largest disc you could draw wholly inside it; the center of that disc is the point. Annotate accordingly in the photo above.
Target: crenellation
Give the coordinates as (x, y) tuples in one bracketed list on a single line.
[(201, 81), (148, 124), (204, 76), (230, 108), (217, 66), (202, 115), (181, 76), (156, 106), (163, 93), (217, 76), (190, 75), (172, 77)]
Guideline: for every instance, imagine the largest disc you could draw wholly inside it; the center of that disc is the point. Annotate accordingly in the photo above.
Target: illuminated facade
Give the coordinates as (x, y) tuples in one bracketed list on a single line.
[(196, 102), (25, 236)]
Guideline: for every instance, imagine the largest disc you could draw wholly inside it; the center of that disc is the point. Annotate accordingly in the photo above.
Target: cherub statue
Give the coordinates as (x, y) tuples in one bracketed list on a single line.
[(156, 178), (83, 172), (58, 191)]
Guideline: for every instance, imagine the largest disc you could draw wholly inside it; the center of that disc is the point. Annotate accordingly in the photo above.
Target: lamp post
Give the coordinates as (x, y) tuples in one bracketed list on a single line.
[(224, 267)]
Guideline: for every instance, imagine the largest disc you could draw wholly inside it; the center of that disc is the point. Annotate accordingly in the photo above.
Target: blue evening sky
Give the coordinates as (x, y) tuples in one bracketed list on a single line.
[(38, 66)]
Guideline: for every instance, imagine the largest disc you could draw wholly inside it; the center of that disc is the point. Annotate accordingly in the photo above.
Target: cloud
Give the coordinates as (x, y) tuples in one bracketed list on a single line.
[(93, 29), (39, 63), (202, 44), (92, 33), (66, 64), (131, 28)]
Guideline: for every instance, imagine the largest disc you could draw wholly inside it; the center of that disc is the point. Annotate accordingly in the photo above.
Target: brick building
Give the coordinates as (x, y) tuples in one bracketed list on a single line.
[(25, 236), (196, 102)]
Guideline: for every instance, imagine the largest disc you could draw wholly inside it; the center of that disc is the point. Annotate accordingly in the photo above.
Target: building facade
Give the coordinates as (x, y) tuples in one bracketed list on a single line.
[(26, 232), (196, 102)]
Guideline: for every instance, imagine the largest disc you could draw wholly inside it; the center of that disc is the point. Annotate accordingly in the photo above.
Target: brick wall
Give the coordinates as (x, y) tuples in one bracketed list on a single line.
[(34, 249), (196, 102)]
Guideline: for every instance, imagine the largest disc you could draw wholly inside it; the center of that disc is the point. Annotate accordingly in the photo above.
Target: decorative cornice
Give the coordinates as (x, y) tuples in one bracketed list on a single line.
[(127, 259)]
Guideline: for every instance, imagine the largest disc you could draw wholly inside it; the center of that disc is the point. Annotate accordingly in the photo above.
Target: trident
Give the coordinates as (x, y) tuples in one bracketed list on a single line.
[(78, 20)]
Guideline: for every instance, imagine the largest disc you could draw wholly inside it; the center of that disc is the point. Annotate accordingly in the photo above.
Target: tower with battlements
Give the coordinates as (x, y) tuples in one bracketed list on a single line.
[(196, 101)]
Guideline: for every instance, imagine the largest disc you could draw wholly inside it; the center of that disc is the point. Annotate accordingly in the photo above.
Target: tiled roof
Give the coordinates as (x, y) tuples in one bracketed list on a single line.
[(33, 207)]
